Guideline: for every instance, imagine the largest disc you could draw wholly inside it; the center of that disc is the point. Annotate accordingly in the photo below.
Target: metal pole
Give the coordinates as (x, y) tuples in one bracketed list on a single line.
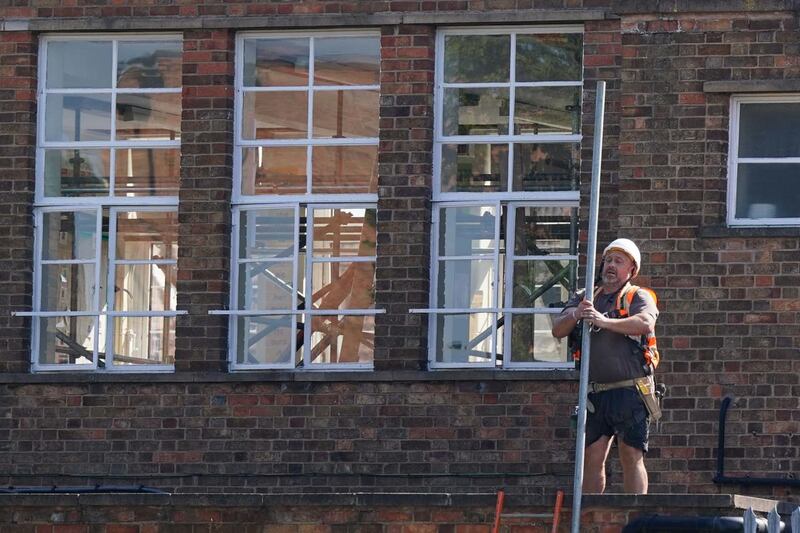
[(594, 206)]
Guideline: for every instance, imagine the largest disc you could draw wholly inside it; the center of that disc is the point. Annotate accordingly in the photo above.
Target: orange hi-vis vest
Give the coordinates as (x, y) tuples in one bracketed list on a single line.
[(622, 310)]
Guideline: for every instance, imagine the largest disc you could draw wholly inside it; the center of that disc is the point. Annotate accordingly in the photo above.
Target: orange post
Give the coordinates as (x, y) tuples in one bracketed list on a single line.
[(498, 510), (557, 510)]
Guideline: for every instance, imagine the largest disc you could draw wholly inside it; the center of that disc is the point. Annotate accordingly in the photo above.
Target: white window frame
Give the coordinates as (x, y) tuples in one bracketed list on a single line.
[(507, 199), (114, 204), (733, 159), (242, 203)]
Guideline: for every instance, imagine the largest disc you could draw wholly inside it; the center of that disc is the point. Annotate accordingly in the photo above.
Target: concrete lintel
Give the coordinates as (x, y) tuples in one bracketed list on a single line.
[(14, 25), (506, 17), (682, 7), (752, 86)]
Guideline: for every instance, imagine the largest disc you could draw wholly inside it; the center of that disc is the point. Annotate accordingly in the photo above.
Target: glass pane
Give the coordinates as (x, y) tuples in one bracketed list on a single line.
[(339, 114), (465, 284), (344, 232), (342, 339), (477, 58), (266, 233), (68, 287), (543, 283), (547, 110), (474, 167), (147, 235), (275, 62), (343, 285), (532, 341), (266, 286), (467, 230), (76, 172), (769, 130), (768, 190), (69, 234), (546, 167), (145, 288), (346, 60), (545, 231), (148, 117), (147, 172), (274, 170), (549, 57), (67, 340), (79, 64), (149, 64), (344, 169), (265, 339), (464, 338), (275, 115), (475, 111), (144, 340), (73, 118)]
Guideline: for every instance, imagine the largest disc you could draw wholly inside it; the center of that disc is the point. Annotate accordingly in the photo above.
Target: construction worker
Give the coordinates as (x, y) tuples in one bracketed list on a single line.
[(623, 355)]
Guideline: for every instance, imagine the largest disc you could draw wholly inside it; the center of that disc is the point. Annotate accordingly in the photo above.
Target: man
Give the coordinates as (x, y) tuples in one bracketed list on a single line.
[(617, 411)]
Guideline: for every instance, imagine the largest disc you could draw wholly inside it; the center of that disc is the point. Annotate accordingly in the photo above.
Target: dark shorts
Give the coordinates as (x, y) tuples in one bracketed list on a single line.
[(618, 412)]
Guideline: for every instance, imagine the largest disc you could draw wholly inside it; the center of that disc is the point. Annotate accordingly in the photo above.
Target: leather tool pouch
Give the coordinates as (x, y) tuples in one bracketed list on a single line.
[(647, 391)]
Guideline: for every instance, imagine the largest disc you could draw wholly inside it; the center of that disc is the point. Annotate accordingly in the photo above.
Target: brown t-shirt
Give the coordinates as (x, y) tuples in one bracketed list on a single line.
[(615, 357)]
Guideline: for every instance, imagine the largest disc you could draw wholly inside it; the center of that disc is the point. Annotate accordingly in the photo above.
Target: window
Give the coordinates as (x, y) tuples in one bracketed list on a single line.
[(107, 169), (305, 194), (764, 161), (506, 195)]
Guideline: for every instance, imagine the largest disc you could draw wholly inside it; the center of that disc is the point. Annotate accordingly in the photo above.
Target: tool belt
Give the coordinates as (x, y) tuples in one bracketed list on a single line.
[(645, 386)]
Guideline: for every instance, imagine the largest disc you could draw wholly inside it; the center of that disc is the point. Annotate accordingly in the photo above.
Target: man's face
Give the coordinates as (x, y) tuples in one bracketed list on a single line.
[(617, 268)]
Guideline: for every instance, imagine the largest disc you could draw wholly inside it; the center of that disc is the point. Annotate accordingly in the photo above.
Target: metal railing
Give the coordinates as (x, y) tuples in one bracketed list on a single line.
[(753, 524)]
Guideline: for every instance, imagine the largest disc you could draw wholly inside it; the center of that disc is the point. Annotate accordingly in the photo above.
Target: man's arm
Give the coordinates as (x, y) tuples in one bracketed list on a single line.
[(565, 322)]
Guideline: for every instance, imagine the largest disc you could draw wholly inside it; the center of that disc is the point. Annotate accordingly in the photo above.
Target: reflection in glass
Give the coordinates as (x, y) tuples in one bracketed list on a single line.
[(147, 172), (474, 167), (346, 60), (344, 169), (546, 283), (144, 340), (475, 111), (546, 167), (265, 339), (532, 340), (467, 230), (266, 233), (767, 190), (149, 64), (465, 284), (464, 338), (476, 58), (275, 115), (67, 287), (265, 286), (344, 232), (343, 285), (279, 62), (549, 57), (148, 117), (342, 339), (67, 340), (546, 230), (547, 110), (147, 287), (79, 64), (769, 130), (69, 234), (274, 170), (74, 118), (339, 114), (147, 235), (79, 172)]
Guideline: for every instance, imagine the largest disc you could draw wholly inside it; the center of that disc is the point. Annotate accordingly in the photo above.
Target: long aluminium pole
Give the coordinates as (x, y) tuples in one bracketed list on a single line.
[(591, 252)]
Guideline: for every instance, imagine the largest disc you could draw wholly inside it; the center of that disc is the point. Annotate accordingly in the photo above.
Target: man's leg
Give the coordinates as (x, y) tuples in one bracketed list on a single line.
[(594, 465), (634, 474)]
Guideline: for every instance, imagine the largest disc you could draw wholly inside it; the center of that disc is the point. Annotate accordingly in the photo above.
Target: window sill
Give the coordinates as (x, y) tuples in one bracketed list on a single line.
[(299, 377), (712, 232)]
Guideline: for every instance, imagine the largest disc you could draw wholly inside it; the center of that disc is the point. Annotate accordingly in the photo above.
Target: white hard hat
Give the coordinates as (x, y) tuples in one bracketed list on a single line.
[(629, 248)]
